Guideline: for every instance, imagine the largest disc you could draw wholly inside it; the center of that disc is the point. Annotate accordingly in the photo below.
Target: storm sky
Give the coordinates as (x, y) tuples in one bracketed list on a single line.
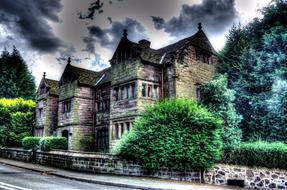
[(46, 32)]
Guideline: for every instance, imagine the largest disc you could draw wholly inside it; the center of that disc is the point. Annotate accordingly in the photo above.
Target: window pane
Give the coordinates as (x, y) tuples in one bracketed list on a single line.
[(133, 86), (155, 95), (149, 91), (144, 90)]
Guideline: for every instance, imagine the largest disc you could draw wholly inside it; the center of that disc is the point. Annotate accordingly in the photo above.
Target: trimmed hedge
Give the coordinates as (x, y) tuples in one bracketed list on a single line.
[(51, 143), (31, 142), (263, 154), (175, 133)]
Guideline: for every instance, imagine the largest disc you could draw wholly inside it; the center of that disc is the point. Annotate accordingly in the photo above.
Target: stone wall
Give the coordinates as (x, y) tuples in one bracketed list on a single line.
[(255, 178), (109, 164), (16, 154), (221, 174)]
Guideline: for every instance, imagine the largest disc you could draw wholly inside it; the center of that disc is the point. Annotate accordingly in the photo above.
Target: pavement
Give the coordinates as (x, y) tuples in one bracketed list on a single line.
[(115, 180)]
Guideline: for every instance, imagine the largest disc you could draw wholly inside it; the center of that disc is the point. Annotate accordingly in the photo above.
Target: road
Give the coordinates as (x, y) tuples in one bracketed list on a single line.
[(12, 178)]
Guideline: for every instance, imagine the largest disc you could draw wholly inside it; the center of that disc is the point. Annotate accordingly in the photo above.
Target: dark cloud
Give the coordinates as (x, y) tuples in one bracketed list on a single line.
[(215, 15), (110, 37), (96, 7), (65, 54), (29, 19)]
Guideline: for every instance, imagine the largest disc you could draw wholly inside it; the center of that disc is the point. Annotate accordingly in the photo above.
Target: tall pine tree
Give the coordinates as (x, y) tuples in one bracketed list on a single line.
[(254, 60), (15, 78)]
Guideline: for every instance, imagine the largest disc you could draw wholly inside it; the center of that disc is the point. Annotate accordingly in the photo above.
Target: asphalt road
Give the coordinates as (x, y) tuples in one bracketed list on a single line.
[(12, 178)]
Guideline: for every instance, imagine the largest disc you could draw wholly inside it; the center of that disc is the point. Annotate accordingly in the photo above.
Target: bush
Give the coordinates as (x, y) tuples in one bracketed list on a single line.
[(31, 142), (175, 133), (16, 120), (51, 143), (264, 154)]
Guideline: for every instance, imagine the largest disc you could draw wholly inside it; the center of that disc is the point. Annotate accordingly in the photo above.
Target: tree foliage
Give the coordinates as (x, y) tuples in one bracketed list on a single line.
[(220, 101), (254, 59), (173, 133), (15, 78), (16, 120)]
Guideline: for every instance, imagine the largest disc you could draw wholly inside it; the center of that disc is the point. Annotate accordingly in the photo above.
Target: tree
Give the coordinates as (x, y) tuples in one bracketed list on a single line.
[(254, 59), (15, 78), (176, 133), (220, 101)]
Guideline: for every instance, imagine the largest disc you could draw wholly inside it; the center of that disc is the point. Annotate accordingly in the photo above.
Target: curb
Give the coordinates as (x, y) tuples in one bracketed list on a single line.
[(54, 173)]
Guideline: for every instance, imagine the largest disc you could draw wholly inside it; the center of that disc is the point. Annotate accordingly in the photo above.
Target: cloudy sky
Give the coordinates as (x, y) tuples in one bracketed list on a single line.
[(46, 32)]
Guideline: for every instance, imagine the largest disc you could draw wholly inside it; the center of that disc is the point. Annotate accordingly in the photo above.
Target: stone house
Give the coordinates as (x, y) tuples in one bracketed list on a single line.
[(97, 108), (47, 107)]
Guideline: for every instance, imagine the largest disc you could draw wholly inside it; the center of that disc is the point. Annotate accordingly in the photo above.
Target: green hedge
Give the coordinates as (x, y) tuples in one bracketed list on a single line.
[(51, 143), (31, 142), (263, 154), (175, 133)]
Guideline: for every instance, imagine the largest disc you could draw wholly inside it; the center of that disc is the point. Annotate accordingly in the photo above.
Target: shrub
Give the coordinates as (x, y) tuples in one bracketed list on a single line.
[(31, 142), (173, 133), (16, 120), (51, 143), (264, 154)]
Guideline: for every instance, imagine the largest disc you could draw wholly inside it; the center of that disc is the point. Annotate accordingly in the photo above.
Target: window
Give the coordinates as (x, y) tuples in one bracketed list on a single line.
[(122, 93), (149, 92), (203, 57), (125, 92), (40, 112), (198, 92), (67, 106), (122, 129), (128, 126), (155, 93), (133, 90), (144, 89), (116, 135), (116, 94)]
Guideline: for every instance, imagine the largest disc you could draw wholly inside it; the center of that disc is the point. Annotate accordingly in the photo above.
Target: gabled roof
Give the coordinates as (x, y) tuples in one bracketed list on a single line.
[(53, 86), (199, 39), (50, 86), (83, 76)]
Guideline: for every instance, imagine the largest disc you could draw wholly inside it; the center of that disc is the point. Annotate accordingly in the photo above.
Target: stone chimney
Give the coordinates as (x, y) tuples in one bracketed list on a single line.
[(144, 43)]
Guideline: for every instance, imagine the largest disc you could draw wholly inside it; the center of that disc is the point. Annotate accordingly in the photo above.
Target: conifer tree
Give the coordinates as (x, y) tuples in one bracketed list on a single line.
[(15, 78)]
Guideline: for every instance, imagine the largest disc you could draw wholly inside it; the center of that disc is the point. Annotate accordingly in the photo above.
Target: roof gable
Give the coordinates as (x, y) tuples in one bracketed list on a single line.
[(199, 39), (83, 76), (49, 86)]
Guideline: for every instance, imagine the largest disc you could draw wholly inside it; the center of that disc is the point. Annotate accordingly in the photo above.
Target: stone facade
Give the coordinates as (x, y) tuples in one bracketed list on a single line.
[(47, 107), (96, 108)]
